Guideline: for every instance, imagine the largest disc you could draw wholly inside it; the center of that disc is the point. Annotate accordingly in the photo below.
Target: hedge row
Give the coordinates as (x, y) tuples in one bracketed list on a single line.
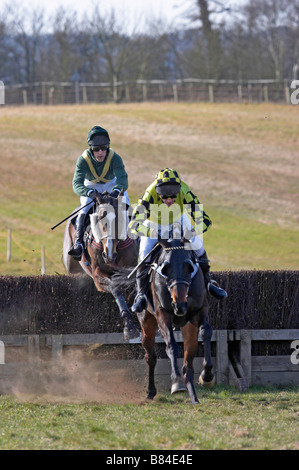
[(71, 304)]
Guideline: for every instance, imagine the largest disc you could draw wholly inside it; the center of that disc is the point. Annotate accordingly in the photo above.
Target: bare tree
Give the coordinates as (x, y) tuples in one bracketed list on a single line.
[(26, 29), (268, 19), (112, 46)]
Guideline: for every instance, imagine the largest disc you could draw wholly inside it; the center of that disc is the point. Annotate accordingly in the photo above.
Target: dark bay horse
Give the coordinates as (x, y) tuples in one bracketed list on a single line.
[(178, 298), (107, 247)]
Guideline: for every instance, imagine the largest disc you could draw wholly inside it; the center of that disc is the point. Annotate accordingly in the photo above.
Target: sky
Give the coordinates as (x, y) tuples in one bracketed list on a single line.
[(134, 12), (131, 10)]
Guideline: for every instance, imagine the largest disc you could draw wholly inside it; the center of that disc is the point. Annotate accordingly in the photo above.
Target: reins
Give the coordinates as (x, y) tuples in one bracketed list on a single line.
[(170, 248)]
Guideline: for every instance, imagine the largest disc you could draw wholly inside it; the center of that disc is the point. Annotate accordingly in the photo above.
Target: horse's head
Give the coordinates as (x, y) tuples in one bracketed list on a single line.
[(177, 268), (107, 224)]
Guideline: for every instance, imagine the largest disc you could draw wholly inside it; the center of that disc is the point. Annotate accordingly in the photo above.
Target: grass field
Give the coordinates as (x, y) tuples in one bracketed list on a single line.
[(262, 419), (241, 160)]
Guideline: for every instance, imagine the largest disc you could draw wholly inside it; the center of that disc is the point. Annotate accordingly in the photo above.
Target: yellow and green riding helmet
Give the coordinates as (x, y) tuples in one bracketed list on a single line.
[(168, 183)]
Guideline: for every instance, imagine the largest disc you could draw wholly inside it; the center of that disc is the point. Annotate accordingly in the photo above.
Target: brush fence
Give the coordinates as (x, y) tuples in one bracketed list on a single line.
[(233, 359)]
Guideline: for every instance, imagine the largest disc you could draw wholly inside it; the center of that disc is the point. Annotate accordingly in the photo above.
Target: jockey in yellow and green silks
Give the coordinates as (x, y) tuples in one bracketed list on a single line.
[(168, 201)]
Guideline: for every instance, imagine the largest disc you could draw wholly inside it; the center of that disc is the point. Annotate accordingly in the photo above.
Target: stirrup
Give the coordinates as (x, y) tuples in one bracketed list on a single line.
[(76, 251), (139, 304), (216, 291)]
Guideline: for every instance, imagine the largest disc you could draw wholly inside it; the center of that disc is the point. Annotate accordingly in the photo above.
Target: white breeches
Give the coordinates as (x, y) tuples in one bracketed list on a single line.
[(100, 187)]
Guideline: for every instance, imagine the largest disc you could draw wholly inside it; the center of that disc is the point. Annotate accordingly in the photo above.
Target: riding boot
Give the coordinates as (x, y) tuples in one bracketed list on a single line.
[(140, 300), (211, 285), (77, 249)]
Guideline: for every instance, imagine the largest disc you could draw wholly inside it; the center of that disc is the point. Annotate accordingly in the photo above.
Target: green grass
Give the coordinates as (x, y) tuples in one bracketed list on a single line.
[(241, 161), (262, 418)]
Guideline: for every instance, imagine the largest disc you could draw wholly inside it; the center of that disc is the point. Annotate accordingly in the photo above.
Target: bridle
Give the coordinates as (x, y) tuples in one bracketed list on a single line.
[(169, 282)]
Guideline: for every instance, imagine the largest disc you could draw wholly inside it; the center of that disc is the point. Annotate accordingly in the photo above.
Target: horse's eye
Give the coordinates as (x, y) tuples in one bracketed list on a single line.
[(166, 269), (188, 267)]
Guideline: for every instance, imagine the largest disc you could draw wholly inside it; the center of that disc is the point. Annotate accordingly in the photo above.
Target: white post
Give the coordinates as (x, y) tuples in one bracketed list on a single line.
[(43, 269), (8, 256), (2, 353)]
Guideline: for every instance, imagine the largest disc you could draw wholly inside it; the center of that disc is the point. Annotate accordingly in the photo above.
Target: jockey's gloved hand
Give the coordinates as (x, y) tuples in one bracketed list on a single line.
[(92, 194), (115, 193)]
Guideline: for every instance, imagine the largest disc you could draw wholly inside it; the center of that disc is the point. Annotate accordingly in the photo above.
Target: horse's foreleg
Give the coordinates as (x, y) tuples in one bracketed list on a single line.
[(105, 284), (149, 326), (206, 378), (172, 352), (190, 335)]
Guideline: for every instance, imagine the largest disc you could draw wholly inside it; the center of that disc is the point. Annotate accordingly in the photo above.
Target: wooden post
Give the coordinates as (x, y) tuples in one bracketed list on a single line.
[(43, 267), (2, 353), (240, 94), (249, 92), (43, 93), (221, 357), (245, 353), (84, 95), (51, 92), (144, 92), (266, 95), (287, 92), (33, 347), (8, 256), (25, 97), (57, 346), (211, 93), (175, 93)]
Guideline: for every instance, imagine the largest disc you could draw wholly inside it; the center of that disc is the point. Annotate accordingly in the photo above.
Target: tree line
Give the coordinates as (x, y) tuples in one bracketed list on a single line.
[(256, 40)]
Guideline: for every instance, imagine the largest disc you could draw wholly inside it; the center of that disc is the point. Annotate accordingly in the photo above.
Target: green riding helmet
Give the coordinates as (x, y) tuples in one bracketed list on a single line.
[(97, 136)]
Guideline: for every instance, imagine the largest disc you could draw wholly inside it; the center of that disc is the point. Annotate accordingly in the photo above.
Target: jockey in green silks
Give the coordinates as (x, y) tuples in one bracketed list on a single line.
[(98, 169), (168, 201)]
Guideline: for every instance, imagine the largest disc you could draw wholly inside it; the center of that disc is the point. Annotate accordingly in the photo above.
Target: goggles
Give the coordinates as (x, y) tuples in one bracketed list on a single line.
[(169, 196), (97, 149)]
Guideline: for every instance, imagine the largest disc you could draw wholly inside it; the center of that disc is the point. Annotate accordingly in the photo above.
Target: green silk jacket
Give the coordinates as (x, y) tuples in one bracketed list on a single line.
[(87, 168)]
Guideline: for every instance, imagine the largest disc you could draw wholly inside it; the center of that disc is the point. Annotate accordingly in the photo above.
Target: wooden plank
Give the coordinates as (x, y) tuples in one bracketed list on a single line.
[(110, 338), (266, 335), (275, 378), (14, 340), (273, 363)]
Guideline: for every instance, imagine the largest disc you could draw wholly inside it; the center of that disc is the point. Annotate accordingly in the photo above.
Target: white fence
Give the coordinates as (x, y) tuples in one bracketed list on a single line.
[(188, 90)]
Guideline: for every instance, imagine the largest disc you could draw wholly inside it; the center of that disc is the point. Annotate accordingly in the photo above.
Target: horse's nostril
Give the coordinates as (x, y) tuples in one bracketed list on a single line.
[(180, 309)]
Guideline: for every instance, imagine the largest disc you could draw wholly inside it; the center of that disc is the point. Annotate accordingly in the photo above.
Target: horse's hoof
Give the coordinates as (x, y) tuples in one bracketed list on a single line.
[(206, 384), (178, 387), (131, 333)]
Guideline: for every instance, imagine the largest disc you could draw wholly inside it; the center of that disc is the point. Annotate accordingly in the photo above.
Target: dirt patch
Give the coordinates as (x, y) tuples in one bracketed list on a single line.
[(72, 380)]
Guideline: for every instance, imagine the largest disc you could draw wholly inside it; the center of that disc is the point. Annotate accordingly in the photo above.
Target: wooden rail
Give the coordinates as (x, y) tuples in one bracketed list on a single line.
[(233, 361)]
